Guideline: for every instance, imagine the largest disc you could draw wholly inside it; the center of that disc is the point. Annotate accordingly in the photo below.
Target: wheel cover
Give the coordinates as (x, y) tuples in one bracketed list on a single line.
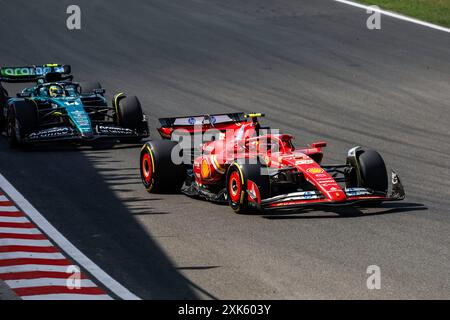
[(234, 187), (147, 168)]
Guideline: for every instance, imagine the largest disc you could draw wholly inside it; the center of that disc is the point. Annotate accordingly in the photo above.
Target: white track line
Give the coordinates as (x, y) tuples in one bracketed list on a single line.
[(68, 296), (33, 267), (31, 255), (20, 230), (43, 282), (14, 219), (395, 15), (8, 209), (64, 244), (26, 242)]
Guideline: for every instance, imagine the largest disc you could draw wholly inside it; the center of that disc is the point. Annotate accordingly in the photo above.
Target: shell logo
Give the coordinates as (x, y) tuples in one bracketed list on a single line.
[(315, 170), (205, 170)]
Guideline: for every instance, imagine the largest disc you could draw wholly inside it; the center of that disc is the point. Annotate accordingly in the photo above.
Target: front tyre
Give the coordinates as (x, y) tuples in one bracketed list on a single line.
[(129, 112), (368, 171), (236, 190), (246, 186), (373, 171)]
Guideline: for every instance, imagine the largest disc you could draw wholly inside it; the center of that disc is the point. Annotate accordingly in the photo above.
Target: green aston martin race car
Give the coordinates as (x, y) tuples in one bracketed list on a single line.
[(56, 108)]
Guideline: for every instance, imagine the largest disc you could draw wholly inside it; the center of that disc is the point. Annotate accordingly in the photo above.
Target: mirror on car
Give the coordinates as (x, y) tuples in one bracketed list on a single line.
[(24, 95), (319, 144), (99, 91)]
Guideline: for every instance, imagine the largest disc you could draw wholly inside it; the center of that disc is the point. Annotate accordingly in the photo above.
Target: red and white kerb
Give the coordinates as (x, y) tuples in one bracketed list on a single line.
[(33, 267)]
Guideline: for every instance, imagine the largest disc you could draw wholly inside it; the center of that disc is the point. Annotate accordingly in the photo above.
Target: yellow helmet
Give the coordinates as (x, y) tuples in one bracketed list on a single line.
[(55, 91)]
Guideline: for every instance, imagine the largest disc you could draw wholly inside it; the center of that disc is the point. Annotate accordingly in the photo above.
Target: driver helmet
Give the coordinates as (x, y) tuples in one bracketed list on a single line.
[(55, 91)]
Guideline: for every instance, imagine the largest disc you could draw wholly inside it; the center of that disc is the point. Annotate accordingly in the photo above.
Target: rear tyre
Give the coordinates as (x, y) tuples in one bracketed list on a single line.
[(159, 173), (3, 107), (22, 120), (237, 183)]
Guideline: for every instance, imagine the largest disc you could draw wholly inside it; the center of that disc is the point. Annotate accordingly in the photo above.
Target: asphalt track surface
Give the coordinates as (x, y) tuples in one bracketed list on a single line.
[(318, 73)]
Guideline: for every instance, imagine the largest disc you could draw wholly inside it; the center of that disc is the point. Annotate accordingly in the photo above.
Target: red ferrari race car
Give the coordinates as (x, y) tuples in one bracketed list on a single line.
[(232, 158)]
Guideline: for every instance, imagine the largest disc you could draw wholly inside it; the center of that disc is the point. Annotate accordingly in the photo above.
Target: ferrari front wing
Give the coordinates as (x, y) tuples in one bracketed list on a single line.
[(353, 196)]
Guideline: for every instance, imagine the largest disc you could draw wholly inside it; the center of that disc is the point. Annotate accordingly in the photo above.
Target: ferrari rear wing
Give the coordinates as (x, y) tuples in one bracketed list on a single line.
[(201, 123), (206, 119), (31, 73)]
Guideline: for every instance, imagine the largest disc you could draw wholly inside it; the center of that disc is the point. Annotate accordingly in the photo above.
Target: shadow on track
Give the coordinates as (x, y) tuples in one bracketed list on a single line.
[(347, 212), (77, 198)]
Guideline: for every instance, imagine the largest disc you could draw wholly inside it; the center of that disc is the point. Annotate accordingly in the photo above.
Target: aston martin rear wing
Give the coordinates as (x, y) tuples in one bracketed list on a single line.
[(31, 73)]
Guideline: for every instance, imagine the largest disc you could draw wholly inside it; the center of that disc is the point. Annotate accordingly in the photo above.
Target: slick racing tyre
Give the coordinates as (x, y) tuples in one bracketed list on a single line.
[(368, 171), (129, 112), (159, 173), (237, 186), (373, 171), (3, 107), (22, 120)]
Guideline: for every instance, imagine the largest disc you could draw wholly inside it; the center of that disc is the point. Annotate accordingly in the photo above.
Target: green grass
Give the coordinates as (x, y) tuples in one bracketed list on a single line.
[(434, 11)]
